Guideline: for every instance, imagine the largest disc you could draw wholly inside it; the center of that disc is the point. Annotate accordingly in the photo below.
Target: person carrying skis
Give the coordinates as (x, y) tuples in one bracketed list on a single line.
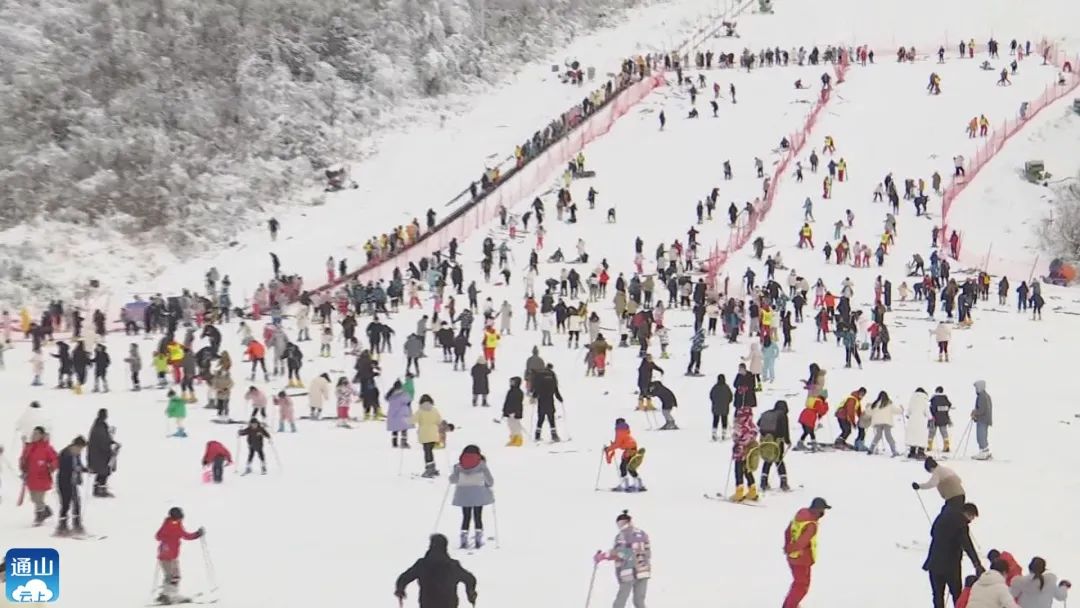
[(472, 481), (216, 456), (438, 577), (632, 554), (800, 546), (630, 460), (773, 426), (256, 433), (169, 536)]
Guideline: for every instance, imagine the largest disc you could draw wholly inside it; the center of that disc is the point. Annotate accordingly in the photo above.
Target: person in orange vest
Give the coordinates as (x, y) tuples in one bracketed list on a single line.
[(491, 340), (800, 546), (973, 126), (256, 353), (631, 457), (806, 236)]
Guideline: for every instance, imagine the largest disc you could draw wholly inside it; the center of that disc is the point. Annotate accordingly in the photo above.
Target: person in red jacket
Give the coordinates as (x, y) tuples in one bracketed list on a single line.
[(169, 536), (1014, 568), (965, 595), (800, 546), (216, 456), (37, 463)]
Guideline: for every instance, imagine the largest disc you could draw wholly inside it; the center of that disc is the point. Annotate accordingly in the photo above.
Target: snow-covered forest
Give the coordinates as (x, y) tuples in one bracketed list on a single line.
[(157, 120)]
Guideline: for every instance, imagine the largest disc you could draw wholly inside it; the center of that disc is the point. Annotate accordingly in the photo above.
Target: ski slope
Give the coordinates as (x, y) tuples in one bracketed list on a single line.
[(342, 508)]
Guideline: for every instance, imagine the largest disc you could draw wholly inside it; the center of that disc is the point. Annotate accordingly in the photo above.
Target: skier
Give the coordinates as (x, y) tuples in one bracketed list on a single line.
[(101, 454), (256, 433), (773, 426), (428, 420), (37, 463), (68, 479), (668, 402), (630, 460), (398, 415), (134, 362), (632, 554), (946, 481), (169, 536), (438, 577), (480, 389), (216, 456), (983, 418), (743, 452), (941, 420), (472, 481), (800, 546), (848, 416), (950, 538), (344, 394), (176, 410), (286, 412), (258, 402), (513, 410), (1038, 589), (942, 335), (545, 390), (882, 413), (318, 394), (720, 397)]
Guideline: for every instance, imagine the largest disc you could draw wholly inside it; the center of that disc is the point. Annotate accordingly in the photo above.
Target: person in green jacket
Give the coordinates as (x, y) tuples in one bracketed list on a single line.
[(177, 411)]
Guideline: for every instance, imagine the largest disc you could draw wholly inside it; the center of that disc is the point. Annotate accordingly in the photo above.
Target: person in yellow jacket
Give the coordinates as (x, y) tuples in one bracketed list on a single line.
[(984, 125), (491, 341), (174, 351), (849, 416), (428, 420), (24, 321), (841, 170), (768, 319), (806, 236)]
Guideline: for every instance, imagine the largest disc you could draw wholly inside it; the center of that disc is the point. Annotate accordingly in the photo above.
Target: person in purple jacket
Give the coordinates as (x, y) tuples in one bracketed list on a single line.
[(398, 415)]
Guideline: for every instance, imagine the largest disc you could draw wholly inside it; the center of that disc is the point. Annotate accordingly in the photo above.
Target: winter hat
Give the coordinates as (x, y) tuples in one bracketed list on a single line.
[(819, 504), (176, 513), (930, 464), (621, 425), (426, 399), (35, 404), (624, 516), (781, 405)]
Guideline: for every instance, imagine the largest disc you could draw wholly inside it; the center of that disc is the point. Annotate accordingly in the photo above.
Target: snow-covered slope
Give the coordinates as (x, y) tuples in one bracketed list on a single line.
[(342, 506)]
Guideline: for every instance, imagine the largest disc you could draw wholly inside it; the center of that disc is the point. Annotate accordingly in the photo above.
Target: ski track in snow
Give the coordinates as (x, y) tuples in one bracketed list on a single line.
[(343, 506)]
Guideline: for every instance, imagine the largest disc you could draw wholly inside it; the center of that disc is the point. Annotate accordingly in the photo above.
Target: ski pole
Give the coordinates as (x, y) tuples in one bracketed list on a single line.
[(727, 478), (592, 582), (965, 439), (154, 582), (208, 562), (923, 505), (442, 507), (400, 461), (599, 470), (495, 520)]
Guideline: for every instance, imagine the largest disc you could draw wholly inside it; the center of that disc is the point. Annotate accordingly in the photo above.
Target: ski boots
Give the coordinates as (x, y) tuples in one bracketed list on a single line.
[(784, 487), (555, 436), (740, 494), (764, 485), (77, 527), (946, 449), (62, 529), (983, 455), (752, 493), (464, 544), (478, 538)]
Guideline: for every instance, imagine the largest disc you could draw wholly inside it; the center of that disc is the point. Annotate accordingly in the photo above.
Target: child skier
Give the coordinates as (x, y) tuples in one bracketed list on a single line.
[(744, 453), (161, 368), (255, 433), (398, 415), (816, 409), (216, 456), (169, 536), (258, 402), (344, 394), (286, 413), (327, 339), (513, 410), (472, 482), (177, 412), (134, 362), (631, 457)]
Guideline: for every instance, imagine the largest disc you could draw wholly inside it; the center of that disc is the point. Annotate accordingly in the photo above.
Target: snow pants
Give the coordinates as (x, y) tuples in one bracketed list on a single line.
[(638, 588), (939, 581), (170, 576), (800, 585), (982, 435)]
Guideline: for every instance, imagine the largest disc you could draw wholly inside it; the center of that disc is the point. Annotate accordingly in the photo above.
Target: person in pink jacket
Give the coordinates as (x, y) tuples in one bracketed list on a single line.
[(285, 412)]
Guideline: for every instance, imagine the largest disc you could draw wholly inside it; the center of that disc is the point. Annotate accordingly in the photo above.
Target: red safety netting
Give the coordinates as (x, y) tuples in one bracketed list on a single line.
[(997, 140), (747, 224)]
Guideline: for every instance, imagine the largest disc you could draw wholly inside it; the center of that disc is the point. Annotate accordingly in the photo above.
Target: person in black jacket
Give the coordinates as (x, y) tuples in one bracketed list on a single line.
[(644, 380), (214, 335), (745, 385), (68, 480), (773, 426), (939, 411), (480, 389), (949, 540), (255, 433), (545, 387), (101, 368), (100, 452), (80, 360), (513, 410), (438, 576), (720, 396), (668, 402)]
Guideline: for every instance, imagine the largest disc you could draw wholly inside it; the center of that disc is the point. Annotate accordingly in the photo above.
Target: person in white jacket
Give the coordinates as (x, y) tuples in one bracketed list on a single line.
[(883, 413), (990, 591), (918, 418), (318, 394), (942, 334), (1039, 588), (31, 418)]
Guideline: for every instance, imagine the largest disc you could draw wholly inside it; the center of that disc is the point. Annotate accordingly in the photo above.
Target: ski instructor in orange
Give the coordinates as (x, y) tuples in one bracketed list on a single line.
[(800, 546)]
